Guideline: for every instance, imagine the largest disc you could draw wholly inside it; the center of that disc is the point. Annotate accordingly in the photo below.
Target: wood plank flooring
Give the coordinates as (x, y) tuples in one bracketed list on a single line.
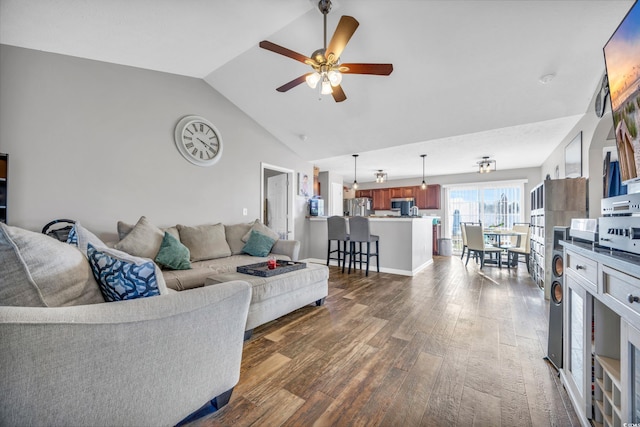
[(453, 345)]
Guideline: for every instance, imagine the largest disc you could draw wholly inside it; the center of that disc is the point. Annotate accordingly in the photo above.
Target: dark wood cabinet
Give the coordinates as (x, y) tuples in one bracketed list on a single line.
[(364, 193), (382, 199), (401, 192), (428, 198), (4, 175)]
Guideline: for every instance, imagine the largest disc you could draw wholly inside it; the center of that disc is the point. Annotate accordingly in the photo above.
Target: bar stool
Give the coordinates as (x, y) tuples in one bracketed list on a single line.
[(359, 232), (337, 230)]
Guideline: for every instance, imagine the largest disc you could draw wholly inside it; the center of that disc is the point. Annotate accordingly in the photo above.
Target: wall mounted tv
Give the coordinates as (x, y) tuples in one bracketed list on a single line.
[(622, 60)]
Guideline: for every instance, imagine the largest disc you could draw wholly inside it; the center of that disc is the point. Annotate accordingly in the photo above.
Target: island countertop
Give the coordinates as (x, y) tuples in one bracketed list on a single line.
[(406, 243)]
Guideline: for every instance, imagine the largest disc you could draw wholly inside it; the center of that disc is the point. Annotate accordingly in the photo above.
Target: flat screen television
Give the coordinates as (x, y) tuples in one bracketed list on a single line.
[(622, 60)]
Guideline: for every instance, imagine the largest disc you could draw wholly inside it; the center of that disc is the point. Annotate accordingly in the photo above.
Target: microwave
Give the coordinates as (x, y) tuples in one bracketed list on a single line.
[(403, 205)]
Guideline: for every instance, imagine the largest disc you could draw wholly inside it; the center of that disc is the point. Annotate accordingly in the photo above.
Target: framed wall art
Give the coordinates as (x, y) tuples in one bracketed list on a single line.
[(573, 157)]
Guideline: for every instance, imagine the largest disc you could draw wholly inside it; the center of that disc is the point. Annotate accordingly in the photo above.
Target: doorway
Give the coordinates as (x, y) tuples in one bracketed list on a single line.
[(276, 200)]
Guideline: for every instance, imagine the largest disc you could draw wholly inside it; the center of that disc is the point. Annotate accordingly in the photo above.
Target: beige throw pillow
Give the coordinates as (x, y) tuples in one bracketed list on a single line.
[(39, 271), (234, 234), (262, 229), (205, 241), (143, 240)]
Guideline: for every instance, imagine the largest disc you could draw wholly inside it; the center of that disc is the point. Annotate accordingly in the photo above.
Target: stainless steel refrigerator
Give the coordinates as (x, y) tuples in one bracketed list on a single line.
[(360, 206)]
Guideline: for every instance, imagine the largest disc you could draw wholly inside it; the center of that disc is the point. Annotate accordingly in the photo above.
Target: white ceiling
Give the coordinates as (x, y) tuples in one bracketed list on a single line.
[(466, 79)]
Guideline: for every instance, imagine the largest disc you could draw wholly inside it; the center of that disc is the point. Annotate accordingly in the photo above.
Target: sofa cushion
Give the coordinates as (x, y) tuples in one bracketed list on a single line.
[(143, 240), (205, 241), (262, 229), (173, 254), (80, 237), (122, 276), (124, 229), (187, 279), (234, 234), (258, 244), (40, 271)]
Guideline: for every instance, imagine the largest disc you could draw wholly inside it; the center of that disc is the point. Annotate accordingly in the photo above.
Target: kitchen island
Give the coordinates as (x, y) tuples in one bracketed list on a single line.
[(406, 243)]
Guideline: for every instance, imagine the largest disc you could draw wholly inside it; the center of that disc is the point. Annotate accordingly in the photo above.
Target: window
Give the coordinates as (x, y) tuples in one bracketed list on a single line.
[(494, 204)]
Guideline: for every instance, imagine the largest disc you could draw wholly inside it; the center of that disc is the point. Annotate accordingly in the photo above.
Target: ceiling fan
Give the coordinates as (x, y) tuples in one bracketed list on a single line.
[(327, 69)]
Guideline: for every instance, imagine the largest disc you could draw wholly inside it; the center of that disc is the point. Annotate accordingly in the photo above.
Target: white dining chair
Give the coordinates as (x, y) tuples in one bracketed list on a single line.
[(523, 248), (475, 244)]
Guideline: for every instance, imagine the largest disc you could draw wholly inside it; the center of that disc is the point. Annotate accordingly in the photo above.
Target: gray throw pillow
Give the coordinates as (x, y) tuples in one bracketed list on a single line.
[(40, 271), (262, 229), (143, 240), (205, 241), (234, 234)]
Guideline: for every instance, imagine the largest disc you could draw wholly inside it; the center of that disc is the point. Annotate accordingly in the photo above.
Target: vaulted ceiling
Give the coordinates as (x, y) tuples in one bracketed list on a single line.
[(466, 80)]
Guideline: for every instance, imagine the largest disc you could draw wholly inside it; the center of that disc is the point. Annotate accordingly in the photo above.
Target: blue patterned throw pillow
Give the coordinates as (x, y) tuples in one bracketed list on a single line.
[(72, 238), (122, 277)]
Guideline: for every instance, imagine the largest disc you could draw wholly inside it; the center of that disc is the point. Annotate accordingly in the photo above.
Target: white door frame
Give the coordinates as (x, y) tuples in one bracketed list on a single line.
[(290, 198)]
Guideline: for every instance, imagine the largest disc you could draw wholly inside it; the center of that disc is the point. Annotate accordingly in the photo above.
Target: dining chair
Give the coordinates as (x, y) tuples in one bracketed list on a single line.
[(337, 231), (464, 238), (523, 248), (463, 231), (359, 232), (475, 244)]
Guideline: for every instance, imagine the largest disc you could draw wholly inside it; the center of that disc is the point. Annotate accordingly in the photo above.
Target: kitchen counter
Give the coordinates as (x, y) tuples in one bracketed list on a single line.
[(406, 243)]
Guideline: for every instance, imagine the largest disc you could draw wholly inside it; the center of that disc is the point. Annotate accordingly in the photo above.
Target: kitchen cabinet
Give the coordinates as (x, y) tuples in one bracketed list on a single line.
[(601, 340), (401, 192), (428, 198), (382, 199), (364, 193)]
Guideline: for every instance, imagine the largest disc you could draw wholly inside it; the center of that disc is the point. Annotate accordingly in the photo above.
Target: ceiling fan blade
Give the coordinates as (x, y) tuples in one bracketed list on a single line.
[(293, 83), (284, 51), (338, 94), (345, 29), (377, 69)]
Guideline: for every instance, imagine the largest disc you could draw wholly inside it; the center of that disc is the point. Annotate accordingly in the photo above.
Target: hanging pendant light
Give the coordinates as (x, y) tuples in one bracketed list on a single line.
[(424, 184), (355, 182)]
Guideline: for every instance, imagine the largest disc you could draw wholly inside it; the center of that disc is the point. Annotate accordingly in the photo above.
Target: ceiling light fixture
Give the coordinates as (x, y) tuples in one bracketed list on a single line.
[(355, 182), (424, 184), (486, 165), (380, 176)]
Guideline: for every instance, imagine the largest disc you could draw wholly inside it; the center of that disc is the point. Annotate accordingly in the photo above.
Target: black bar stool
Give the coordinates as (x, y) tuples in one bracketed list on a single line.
[(359, 232), (337, 230)]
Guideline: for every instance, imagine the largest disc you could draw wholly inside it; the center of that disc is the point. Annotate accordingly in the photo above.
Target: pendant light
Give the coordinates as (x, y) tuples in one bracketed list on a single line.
[(355, 182), (424, 184)]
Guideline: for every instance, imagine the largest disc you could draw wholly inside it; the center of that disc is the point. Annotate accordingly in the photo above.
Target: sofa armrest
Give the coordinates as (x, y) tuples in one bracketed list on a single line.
[(290, 248), (149, 361)]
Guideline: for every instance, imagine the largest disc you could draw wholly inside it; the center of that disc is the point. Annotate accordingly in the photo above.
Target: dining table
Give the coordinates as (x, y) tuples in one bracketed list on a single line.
[(497, 234)]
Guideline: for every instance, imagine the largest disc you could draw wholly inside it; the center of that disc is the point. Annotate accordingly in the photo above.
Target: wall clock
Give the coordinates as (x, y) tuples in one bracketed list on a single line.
[(198, 140)]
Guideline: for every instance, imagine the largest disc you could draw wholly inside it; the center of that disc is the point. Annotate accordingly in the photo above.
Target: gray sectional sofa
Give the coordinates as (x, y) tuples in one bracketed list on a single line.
[(69, 358)]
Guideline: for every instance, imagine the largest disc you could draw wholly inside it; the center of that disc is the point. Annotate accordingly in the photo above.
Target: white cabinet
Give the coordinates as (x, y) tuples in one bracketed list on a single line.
[(601, 340), (577, 344)]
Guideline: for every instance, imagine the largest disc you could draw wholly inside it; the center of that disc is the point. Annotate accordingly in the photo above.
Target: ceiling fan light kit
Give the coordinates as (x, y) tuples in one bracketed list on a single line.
[(327, 69)]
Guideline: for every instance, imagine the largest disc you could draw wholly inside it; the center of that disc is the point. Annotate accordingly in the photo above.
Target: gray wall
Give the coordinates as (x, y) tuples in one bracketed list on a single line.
[(93, 141)]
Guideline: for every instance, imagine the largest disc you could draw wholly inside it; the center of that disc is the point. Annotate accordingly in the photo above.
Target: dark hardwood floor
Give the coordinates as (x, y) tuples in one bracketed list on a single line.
[(450, 346)]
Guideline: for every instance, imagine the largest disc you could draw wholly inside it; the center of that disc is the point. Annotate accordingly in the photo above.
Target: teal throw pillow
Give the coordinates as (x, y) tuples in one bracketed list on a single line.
[(173, 254), (258, 244)]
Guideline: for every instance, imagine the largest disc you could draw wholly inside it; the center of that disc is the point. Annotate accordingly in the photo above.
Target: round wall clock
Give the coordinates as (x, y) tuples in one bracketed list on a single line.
[(198, 140)]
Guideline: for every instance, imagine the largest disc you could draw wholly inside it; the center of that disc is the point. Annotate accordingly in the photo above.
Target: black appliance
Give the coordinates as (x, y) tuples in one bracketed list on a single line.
[(403, 205), (554, 346)]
